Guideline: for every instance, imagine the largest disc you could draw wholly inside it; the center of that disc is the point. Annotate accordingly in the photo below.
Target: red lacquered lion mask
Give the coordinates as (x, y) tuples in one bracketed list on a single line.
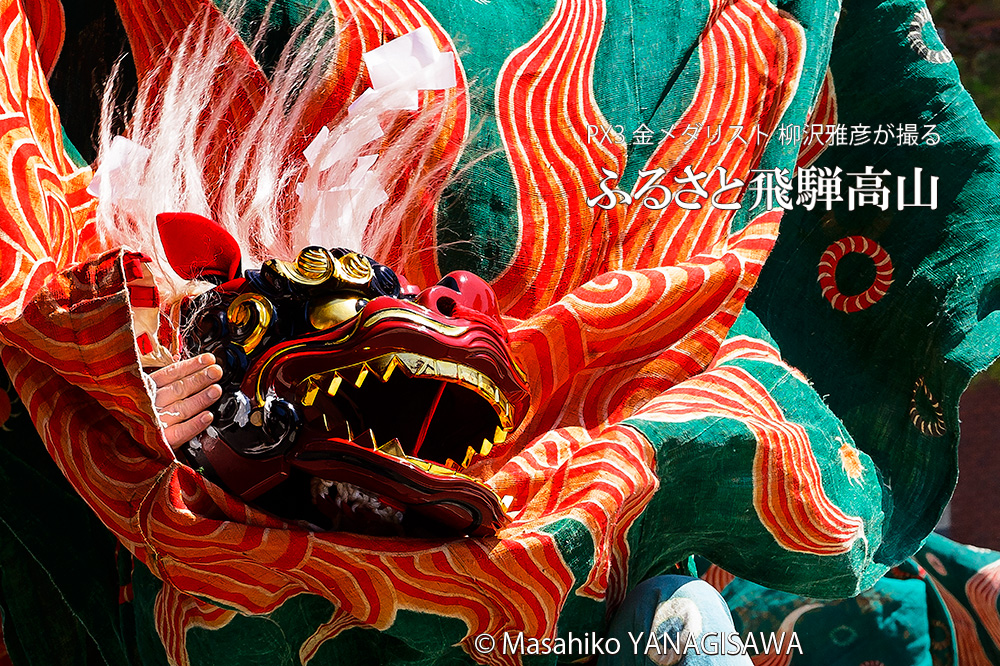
[(349, 401)]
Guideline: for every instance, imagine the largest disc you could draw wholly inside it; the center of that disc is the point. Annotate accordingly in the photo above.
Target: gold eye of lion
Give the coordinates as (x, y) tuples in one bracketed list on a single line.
[(329, 313), (318, 266)]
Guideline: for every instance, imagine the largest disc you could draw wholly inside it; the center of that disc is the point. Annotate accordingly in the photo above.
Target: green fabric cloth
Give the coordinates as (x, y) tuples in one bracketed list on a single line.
[(938, 321), (904, 620)]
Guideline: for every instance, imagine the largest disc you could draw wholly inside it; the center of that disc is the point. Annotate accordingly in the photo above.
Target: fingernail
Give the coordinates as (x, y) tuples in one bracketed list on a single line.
[(214, 372), (206, 418), (214, 391)]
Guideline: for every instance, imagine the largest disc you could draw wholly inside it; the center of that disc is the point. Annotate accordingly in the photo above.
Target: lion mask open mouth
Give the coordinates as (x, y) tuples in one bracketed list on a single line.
[(353, 403)]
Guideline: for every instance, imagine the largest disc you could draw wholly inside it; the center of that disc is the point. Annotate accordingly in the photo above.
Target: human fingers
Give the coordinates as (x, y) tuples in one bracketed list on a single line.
[(185, 431), (171, 373), (187, 385), (183, 410)]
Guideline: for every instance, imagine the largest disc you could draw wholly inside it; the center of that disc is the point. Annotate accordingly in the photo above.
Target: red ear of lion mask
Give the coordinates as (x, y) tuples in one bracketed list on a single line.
[(198, 248)]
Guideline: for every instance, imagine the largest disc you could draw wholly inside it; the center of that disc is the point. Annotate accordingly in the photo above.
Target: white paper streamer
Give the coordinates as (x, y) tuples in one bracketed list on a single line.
[(341, 191), (325, 152), (385, 100), (398, 69), (412, 59)]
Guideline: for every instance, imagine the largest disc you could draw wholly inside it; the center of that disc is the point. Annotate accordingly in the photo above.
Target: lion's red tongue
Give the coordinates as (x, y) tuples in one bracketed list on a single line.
[(427, 420)]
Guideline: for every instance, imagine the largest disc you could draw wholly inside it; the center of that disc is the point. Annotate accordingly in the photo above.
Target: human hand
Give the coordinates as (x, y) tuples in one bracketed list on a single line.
[(184, 390)]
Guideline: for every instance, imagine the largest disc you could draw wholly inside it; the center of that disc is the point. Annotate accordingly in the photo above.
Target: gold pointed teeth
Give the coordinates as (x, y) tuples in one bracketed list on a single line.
[(310, 387), (392, 448), (412, 365)]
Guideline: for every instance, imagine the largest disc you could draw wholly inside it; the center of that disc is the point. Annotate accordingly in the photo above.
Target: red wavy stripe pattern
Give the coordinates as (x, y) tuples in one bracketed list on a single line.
[(97, 421), (751, 59), (983, 590), (338, 623), (544, 103), (970, 649), (174, 613), (202, 542), (824, 113), (47, 220), (788, 489), (718, 577), (48, 23), (614, 343)]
